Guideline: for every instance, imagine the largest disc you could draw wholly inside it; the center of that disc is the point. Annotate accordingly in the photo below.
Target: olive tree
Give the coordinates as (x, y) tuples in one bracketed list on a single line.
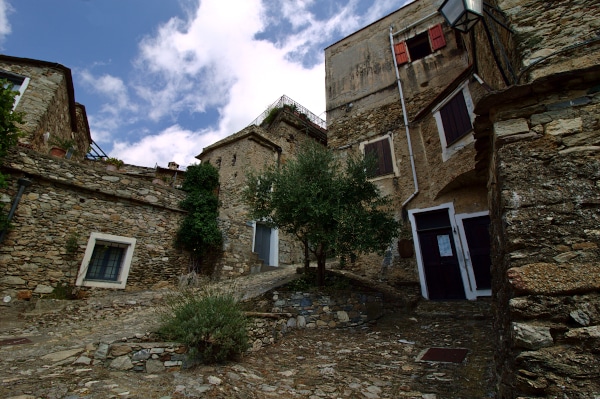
[(330, 205)]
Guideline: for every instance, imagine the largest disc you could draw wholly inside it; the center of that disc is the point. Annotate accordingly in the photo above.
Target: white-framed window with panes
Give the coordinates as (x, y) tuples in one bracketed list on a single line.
[(16, 82), (106, 261)]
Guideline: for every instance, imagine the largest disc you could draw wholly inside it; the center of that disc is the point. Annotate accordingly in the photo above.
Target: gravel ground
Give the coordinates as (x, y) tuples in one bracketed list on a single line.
[(379, 360)]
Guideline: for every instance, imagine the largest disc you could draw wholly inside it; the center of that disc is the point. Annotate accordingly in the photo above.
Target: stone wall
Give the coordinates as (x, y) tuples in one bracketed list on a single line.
[(545, 197), (360, 71), (70, 199), (298, 310), (233, 160), (46, 105), (549, 36), (252, 149)]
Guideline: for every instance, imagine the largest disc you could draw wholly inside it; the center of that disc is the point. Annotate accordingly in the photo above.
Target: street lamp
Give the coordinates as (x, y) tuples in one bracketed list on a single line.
[(462, 14)]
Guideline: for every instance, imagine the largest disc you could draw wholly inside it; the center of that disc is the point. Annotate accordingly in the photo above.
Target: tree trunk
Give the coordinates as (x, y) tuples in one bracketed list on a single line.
[(306, 258), (321, 259)]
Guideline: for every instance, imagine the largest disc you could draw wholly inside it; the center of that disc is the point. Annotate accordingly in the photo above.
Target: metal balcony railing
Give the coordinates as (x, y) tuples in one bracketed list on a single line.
[(293, 105)]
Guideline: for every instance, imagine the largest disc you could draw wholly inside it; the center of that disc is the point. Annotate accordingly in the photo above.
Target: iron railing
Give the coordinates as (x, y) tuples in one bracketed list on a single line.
[(286, 101)]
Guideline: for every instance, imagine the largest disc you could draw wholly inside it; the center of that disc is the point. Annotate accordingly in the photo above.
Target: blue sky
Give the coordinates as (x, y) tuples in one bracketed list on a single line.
[(161, 79)]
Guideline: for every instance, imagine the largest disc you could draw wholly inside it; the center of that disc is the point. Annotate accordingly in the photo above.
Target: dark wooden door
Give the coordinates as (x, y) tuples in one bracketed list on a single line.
[(438, 252), (262, 242), (477, 233)]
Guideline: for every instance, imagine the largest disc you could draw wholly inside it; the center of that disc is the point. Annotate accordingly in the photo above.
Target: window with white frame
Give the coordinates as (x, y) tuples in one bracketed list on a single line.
[(106, 262), (17, 83), (381, 149), (453, 117)]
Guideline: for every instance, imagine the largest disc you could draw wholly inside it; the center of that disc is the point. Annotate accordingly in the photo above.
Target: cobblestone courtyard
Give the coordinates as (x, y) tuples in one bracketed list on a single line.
[(378, 360)]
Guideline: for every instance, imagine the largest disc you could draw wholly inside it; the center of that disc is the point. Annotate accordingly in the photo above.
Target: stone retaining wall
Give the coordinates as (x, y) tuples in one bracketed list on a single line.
[(307, 310), (545, 196), (69, 199)]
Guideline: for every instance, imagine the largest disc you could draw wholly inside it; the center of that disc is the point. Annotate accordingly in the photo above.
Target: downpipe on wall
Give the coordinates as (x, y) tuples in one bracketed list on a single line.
[(404, 114), (23, 184)]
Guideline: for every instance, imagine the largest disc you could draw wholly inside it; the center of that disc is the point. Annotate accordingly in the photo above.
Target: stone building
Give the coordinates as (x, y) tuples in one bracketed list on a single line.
[(75, 222), (537, 143), (271, 139), (46, 97), (404, 88), (528, 72)]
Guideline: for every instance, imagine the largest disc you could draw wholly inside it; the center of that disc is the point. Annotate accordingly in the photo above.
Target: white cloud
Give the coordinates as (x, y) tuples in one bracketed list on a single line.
[(223, 57), (5, 28), (172, 144), (114, 89)]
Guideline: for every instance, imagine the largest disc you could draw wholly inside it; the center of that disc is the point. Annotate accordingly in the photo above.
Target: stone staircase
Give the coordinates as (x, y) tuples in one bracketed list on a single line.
[(258, 265)]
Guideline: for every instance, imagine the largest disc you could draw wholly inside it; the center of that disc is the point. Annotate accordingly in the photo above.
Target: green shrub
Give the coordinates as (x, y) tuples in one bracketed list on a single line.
[(64, 291), (271, 115), (213, 327), (308, 282)]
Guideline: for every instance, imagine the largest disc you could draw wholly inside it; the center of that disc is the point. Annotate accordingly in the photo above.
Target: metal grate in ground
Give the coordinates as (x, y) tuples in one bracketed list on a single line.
[(14, 341), (446, 355)]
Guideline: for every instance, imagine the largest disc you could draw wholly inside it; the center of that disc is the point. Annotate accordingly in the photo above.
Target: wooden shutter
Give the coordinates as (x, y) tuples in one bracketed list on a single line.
[(436, 37), (383, 154), (401, 53), (455, 118)]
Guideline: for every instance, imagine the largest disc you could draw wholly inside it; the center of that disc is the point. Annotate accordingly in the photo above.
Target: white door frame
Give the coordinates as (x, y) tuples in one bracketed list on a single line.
[(273, 244), (461, 230), (457, 243)]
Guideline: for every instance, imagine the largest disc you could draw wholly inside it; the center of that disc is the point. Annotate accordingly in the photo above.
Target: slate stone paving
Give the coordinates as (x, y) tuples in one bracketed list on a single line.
[(375, 360)]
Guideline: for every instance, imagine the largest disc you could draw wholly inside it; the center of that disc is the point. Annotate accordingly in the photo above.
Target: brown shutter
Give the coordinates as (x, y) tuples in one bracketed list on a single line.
[(401, 53), (455, 118), (385, 160), (436, 37), (383, 155)]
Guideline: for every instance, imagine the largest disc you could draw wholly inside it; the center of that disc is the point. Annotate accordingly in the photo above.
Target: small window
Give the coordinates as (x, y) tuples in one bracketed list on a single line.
[(18, 83), (381, 150), (106, 262), (420, 46), (455, 118)]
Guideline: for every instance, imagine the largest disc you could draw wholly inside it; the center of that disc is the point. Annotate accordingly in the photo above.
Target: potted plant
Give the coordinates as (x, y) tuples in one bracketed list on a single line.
[(62, 147), (113, 164), (405, 241)]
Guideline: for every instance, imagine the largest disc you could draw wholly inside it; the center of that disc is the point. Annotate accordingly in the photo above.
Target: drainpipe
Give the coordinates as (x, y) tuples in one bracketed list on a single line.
[(408, 141), (23, 183), (279, 151)]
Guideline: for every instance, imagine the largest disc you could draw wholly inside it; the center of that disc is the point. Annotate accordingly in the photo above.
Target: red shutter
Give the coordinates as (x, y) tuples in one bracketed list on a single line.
[(401, 53), (436, 37)]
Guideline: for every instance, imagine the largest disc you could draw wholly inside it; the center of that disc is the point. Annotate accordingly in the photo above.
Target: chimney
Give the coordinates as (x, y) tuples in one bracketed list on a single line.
[(173, 165)]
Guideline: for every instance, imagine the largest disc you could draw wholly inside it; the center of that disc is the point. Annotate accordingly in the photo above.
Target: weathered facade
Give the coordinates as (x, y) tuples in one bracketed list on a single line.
[(538, 145), (75, 222), (270, 140), (404, 89), (48, 101), (529, 75)]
